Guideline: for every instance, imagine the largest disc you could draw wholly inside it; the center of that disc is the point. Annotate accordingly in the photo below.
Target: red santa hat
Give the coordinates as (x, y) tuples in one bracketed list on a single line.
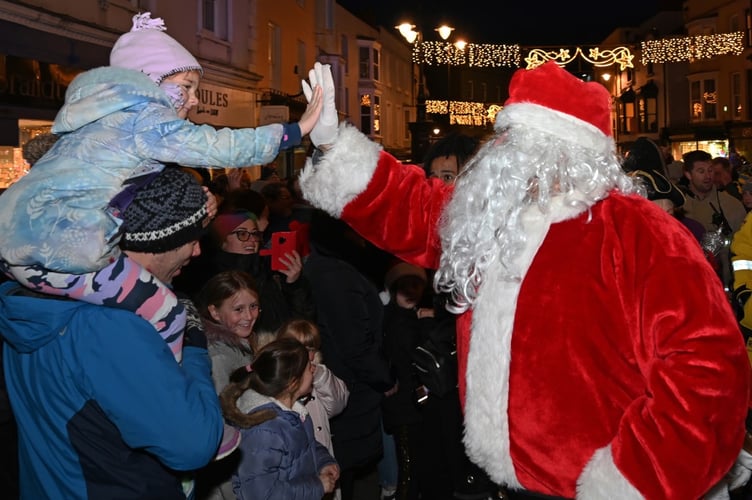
[(552, 100)]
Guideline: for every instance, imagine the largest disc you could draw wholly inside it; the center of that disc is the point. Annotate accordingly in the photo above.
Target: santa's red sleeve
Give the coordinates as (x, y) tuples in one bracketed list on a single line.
[(392, 205)]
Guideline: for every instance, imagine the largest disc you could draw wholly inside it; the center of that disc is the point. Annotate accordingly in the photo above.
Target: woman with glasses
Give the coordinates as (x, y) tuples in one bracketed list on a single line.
[(286, 293)]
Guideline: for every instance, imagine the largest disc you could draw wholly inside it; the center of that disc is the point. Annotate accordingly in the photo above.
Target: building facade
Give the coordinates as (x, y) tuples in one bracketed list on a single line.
[(254, 54)]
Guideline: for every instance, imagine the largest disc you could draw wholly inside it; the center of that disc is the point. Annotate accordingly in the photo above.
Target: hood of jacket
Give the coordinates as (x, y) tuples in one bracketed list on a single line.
[(99, 92), (28, 326), (251, 400)]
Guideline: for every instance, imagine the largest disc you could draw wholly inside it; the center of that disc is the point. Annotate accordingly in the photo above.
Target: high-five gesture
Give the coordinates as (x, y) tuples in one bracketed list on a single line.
[(325, 130)]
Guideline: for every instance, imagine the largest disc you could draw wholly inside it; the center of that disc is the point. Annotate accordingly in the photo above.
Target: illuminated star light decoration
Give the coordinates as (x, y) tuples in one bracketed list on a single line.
[(597, 57)]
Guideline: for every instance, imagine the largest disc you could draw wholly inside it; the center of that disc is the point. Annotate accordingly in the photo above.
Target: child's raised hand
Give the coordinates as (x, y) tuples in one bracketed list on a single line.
[(235, 178), (313, 110)]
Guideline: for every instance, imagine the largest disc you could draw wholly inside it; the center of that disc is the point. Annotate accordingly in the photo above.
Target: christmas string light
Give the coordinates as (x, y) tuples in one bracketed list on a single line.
[(691, 48), (484, 55), (487, 55), (465, 113)]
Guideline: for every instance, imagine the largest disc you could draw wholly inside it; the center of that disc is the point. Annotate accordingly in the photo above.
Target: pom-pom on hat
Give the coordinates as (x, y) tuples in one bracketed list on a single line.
[(554, 101), (165, 214), (147, 48)]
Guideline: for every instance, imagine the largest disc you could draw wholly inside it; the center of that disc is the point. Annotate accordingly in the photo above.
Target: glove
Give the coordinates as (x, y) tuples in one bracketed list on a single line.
[(740, 473), (325, 130)]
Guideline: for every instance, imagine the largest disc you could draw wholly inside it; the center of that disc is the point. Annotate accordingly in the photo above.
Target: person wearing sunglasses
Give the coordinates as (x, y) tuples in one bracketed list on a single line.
[(286, 293)]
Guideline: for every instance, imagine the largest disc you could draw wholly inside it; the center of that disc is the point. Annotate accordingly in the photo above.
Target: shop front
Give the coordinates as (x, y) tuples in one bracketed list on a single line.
[(36, 68)]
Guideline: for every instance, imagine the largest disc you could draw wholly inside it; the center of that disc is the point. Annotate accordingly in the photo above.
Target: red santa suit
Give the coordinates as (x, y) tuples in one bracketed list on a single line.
[(613, 369)]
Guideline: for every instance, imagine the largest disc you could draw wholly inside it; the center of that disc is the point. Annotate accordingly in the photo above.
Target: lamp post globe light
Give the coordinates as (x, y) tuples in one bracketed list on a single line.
[(420, 129)]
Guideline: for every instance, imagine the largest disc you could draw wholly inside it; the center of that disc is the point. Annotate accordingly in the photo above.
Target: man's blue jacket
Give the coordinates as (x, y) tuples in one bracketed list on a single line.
[(103, 408)]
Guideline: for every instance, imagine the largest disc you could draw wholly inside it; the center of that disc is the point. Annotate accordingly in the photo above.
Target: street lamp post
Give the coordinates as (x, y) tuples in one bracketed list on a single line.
[(444, 32), (421, 127)]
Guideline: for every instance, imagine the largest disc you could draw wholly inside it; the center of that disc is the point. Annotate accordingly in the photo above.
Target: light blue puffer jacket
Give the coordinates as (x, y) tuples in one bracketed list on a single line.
[(115, 124)]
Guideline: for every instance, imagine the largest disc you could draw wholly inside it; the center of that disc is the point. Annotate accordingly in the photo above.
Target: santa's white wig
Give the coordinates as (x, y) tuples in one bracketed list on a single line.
[(538, 151)]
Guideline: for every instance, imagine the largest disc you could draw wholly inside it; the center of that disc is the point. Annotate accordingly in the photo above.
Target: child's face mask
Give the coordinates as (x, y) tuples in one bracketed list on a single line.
[(177, 94), (182, 88)]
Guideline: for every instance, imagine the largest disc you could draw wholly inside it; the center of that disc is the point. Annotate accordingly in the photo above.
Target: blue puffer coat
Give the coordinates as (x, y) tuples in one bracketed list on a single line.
[(280, 458), (115, 125), (103, 409)]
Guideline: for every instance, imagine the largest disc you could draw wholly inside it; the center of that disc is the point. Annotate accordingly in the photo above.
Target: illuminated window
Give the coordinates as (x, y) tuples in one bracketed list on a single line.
[(736, 96), (365, 113), (703, 99)]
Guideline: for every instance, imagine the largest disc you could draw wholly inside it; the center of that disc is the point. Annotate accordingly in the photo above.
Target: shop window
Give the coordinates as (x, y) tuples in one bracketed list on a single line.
[(12, 164)]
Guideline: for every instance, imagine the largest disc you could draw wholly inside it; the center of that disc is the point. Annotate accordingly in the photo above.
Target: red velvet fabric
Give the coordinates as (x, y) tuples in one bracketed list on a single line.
[(622, 336), (552, 86), (399, 211)]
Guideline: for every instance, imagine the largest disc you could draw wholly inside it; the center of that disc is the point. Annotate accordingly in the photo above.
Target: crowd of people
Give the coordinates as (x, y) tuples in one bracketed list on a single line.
[(505, 320)]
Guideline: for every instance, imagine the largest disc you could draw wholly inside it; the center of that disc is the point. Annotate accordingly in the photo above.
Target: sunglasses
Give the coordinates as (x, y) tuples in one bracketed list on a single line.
[(244, 235)]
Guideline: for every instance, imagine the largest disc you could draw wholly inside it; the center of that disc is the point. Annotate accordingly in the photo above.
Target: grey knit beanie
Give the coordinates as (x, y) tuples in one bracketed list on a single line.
[(165, 214)]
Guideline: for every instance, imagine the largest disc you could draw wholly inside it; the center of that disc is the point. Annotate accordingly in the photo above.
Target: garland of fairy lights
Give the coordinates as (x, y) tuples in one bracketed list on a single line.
[(678, 49), (488, 55), (692, 48)]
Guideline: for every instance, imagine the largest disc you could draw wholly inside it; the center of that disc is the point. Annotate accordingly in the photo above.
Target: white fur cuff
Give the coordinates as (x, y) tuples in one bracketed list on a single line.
[(601, 479), (343, 172)]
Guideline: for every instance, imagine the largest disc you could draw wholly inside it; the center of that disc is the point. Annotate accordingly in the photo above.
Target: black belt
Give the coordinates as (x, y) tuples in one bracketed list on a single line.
[(525, 495)]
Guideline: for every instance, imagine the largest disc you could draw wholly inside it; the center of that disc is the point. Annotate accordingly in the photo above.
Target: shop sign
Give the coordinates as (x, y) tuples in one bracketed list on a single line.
[(274, 114), (31, 83), (221, 106)]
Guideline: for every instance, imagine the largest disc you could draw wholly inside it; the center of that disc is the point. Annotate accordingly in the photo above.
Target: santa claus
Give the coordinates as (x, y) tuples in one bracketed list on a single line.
[(599, 356)]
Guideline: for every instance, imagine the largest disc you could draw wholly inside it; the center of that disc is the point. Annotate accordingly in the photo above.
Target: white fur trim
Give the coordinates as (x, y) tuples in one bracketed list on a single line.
[(602, 479), (487, 376), (487, 437), (343, 172), (556, 123)]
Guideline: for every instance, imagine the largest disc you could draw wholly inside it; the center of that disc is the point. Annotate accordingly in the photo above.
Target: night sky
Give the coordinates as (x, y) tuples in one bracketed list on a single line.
[(524, 22)]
